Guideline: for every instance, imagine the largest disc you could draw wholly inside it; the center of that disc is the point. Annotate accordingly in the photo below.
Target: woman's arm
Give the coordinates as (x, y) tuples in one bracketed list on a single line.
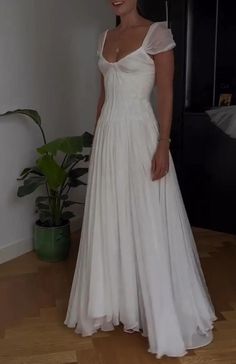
[(164, 64), (100, 101)]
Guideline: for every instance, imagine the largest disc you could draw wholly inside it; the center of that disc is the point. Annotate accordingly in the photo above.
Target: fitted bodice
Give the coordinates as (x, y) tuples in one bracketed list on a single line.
[(132, 77)]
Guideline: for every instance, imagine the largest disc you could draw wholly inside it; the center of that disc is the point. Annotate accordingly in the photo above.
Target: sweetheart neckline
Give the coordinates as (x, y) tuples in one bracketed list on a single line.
[(136, 50), (127, 55)]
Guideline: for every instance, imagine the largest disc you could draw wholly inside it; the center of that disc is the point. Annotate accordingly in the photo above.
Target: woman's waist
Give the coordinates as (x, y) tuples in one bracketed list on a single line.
[(127, 92), (128, 108), (122, 99)]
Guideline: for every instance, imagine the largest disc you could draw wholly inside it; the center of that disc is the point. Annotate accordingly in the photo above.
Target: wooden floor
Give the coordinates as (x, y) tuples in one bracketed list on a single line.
[(33, 301)]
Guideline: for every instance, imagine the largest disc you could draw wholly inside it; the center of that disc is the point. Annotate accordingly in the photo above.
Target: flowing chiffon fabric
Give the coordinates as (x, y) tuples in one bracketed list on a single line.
[(137, 262)]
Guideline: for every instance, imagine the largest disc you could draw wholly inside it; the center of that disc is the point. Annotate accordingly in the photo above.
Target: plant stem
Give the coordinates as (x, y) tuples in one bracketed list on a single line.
[(64, 159), (43, 134)]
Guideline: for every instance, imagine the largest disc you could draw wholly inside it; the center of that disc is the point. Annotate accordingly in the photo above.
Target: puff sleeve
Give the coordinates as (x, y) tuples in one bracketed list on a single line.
[(160, 39)]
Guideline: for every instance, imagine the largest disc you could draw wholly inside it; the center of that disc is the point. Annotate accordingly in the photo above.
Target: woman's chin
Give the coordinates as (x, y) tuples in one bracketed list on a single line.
[(117, 11)]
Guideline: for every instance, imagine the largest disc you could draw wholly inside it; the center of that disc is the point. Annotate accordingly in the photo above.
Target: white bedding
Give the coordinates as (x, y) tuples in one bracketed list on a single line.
[(225, 118)]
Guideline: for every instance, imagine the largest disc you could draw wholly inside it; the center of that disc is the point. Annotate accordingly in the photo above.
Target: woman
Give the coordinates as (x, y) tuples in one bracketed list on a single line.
[(137, 263)]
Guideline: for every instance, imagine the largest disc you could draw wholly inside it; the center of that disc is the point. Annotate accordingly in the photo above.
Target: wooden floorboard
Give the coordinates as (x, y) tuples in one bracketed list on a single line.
[(33, 302)]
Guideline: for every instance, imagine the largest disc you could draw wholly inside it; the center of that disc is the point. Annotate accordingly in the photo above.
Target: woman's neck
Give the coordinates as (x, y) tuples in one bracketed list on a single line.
[(130, 20)]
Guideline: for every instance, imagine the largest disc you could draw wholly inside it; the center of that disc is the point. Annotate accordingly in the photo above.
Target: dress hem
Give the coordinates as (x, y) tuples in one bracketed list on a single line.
[(157, 355)]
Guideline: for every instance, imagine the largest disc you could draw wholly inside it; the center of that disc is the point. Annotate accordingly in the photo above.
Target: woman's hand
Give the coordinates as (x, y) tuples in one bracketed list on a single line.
[(160, 160)]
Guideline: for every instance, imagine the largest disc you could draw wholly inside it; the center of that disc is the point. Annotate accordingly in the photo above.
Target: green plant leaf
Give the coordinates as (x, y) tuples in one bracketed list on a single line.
[(45, 216), (70, 145), (42, 206), (73, 182), (33, 179), (73, 158), (54, 174), (86, 157), (30, 185), (27, 171), (41, 198), (69, 203), (67, 215), (77, 172), (87, 139), (33, 114)]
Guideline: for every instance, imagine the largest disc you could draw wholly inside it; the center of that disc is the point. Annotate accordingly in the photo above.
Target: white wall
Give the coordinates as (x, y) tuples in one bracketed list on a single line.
[(48, 62)]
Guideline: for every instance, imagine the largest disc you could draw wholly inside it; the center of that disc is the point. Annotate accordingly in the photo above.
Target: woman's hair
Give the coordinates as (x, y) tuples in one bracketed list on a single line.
[(139, 9)]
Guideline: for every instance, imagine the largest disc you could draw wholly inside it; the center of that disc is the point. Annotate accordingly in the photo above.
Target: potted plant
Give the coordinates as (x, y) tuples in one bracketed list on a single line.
[(57, 169)]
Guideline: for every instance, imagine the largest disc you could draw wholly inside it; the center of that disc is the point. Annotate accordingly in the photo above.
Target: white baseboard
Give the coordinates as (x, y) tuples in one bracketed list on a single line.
[(18, 248), (15, 249)]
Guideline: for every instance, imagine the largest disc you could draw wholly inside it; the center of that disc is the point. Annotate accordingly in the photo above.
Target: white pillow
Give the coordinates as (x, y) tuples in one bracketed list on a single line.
[(225, 118)]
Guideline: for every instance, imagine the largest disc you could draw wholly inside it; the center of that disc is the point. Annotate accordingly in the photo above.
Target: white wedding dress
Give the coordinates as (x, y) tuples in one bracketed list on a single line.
[(137, 263)]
